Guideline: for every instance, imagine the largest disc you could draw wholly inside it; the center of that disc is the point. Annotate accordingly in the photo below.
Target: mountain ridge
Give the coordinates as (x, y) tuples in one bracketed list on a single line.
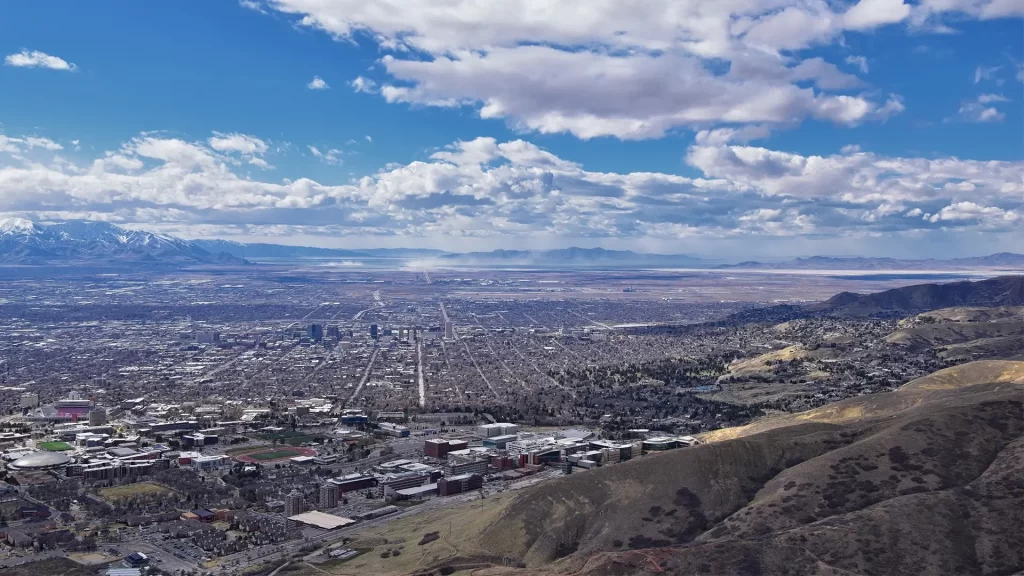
[(999, 259), (24, 242)]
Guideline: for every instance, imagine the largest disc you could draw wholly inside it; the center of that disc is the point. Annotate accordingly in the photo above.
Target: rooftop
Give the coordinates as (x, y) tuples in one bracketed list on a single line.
[(322, 520)]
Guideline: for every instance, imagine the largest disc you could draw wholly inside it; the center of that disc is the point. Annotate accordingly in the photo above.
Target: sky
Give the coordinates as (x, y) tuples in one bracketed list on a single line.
[(731, 129)]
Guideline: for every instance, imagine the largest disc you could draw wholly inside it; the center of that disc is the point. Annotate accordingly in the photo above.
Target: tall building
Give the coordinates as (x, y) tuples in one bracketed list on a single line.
[(29, 400), (329, 495), (294, 503), (449, 330), (315, 332), (373, 331), (98, 417), (207, 337)]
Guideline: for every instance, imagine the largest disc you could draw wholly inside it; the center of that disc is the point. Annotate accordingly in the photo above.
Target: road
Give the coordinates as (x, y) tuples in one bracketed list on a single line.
[(419, 370), (366, 375)]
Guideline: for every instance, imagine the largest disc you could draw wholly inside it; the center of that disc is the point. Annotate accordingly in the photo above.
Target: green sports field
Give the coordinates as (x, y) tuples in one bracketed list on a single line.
[(56, 446)]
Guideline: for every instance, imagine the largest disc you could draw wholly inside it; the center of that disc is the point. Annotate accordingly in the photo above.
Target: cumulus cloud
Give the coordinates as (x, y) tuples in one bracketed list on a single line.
[(331, 156), (868, 14), (981, 109), (241, 143), (37, 59), (674, 64), (364, 84), (249, 148), (860, 62), (990, 98), (512, 190), (986, 215), (985, 73), (317, 83), (13, 145)]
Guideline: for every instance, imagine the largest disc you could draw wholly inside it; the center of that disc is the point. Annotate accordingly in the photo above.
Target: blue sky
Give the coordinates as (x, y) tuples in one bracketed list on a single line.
[(757, 127)]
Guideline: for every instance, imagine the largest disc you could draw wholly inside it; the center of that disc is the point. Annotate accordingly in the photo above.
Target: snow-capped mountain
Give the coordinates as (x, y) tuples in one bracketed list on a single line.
[(97, 243)]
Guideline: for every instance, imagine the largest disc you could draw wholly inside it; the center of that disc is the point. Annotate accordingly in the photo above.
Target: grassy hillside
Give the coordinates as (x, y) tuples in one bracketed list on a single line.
[(923, 480)]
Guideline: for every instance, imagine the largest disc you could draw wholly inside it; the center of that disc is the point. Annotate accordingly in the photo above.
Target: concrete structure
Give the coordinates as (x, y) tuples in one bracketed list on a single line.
[(497, 429), (352, 482), (29, 400), (449, 330), (499, 442), (207, 463), (471, 463), (395, 430), (329, 495), (440, 447), (352, 417), (294, 504), (417, 492), (207, 337), (98, 417), (459, 484), (315, 332)]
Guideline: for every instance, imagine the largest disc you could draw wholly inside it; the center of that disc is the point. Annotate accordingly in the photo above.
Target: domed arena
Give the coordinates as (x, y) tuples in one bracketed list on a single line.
[(40, 461)]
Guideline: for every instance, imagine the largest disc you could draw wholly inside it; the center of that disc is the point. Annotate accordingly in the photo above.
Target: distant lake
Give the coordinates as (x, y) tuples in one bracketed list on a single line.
[(899, 276)]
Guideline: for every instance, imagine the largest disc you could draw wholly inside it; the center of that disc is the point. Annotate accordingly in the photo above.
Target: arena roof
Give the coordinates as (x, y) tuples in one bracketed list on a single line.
[(40, 460)]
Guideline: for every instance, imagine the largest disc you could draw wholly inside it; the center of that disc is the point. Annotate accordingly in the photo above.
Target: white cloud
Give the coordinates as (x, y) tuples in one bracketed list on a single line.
[(825, 75), (241, 143), (985, 73), (514, 190), (988, 215), (364, 84), (368, 138), (249, 148), (17, 145), (317, 83), (860, 62), (868, 14), (980, 110), (857, 177), (37, 59), (252, 5), (990, 98), (675, 64), (332, 156), (742, 135)]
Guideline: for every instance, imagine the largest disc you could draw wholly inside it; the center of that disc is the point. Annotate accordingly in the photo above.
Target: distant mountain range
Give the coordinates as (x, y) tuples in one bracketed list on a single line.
[(24, 242), (1000, 260)]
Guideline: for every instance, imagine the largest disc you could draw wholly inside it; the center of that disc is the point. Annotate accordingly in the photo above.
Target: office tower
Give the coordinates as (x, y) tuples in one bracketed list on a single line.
[(329, 495), (294, 503)]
